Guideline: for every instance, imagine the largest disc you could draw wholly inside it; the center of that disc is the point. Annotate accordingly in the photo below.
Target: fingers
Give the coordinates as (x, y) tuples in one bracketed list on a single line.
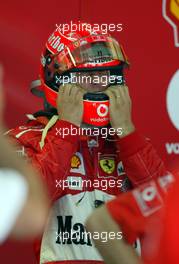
[(111, 95), (70, 103), (70, 92), (76, 89), (119, 92), (79, 95)]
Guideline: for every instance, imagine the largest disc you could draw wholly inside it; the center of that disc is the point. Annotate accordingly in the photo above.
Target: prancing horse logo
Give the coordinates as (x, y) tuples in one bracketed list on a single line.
[(107, 165)]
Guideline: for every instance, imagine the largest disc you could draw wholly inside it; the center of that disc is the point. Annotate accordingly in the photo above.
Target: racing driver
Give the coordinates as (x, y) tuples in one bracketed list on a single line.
[(83, 170)]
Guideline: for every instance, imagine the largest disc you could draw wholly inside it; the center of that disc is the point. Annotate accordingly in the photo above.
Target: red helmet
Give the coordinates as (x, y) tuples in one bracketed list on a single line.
[(77, 51)]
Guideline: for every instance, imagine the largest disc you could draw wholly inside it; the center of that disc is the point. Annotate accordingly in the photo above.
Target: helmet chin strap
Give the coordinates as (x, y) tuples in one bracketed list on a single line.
[(35, 88)]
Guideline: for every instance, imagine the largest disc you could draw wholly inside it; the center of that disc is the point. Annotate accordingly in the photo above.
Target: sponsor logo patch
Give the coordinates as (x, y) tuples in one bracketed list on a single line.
[(77, 164), (74, 183), (148, 198), (166, 181), (107, 165), (120, 169)]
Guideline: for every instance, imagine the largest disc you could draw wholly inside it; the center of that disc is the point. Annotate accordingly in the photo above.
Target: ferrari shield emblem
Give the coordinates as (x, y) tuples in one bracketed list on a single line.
[(107, 165)]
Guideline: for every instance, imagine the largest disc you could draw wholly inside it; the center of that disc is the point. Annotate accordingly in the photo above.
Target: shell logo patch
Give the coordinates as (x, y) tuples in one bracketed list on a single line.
[(170, 10), (75, 162), (174, 7), (107, 165)]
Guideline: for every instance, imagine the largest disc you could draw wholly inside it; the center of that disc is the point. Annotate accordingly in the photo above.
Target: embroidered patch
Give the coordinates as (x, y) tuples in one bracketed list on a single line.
[(107, 165)]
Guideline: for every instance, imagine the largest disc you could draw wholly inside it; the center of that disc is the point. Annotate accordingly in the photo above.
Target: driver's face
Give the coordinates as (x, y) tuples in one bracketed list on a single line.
[(95, 81)]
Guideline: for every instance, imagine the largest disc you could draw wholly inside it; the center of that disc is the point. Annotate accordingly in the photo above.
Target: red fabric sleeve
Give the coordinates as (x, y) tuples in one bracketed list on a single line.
[(168, 249), (57, 150), (140, 159), (125, 212), (134, 211)]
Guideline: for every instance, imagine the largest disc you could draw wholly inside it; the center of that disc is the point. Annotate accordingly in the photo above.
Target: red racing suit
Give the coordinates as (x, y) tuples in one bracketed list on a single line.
[(107, 166), (150, 212)]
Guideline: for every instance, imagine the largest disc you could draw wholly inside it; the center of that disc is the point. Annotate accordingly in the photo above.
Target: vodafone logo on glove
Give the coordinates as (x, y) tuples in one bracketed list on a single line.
[(172, 100), (170, 10)]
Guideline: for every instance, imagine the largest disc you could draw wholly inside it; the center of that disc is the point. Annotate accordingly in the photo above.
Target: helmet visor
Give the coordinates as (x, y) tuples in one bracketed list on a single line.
[(91, 52)]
